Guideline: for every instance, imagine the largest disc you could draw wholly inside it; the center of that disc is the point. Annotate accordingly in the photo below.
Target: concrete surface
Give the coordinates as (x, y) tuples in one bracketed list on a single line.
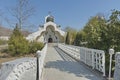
[(60, 66)]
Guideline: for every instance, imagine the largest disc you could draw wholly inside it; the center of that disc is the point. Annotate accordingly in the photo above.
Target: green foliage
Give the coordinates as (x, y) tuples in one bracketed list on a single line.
[(103, 34), (34, 46), (77, 39), (114, 30), (80, 38), (71, 34), (18, 45), (93, 31), (2, 42), (67, 41)]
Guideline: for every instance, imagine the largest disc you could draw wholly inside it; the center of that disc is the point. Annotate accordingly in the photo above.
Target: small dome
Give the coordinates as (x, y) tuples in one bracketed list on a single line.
[(49, 18)]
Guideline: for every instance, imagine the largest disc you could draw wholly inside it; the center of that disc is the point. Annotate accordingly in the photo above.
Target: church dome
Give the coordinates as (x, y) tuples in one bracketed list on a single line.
[(49, 18)]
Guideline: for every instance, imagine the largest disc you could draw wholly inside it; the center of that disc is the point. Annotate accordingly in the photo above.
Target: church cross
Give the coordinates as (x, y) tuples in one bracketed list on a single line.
[(49, 12)]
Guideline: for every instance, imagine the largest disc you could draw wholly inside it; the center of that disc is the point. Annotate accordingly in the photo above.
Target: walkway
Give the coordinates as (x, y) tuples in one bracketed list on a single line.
[(59, 66)]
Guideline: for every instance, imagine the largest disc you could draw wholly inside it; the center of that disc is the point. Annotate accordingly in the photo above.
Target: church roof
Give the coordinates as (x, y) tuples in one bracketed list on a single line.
[(49, 18)]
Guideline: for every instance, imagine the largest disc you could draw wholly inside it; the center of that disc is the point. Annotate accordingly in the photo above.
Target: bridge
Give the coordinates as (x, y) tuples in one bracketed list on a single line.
[(58, 62), (59, 65)]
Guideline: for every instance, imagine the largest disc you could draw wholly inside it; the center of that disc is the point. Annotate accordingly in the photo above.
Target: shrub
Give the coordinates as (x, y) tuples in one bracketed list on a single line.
[(18, 45), (2, 42), (34, 46)]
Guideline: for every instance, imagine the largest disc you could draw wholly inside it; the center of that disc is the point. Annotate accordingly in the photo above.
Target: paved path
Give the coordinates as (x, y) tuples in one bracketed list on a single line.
[(59, 66)]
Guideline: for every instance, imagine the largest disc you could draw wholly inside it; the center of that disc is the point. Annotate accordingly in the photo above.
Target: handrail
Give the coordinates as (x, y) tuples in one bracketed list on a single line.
[(72, 50), (91, 57), (41, 57)]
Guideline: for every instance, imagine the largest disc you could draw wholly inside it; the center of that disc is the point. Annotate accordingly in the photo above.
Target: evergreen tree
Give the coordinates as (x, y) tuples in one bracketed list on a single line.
[(67, 40), (71, 34), (18, 45)]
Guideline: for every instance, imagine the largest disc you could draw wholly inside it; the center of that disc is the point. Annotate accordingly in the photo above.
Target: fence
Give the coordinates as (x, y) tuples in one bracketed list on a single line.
[(91, 57)]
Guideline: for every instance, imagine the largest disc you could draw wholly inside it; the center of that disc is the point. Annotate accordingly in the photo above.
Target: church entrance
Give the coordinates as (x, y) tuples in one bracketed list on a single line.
[(50, 40)]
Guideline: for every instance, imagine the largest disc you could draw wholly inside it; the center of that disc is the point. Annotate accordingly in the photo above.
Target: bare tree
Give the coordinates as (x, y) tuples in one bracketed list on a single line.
[(1, 15), (22, 11)]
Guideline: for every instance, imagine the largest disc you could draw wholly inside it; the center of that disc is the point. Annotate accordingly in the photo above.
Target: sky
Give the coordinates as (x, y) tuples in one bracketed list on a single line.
[(72, 13)]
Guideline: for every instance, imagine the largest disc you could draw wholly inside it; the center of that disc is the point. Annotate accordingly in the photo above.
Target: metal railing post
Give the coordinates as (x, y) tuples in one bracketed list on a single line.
[(38, 62), (93, 63), (111, 52), (37, 71)]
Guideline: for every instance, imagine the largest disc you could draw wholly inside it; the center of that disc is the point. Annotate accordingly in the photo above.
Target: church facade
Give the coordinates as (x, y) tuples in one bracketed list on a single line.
[(49, 32)]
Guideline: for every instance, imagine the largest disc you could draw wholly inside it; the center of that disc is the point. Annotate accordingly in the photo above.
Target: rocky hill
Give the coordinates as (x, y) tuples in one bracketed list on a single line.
[(7, 32)]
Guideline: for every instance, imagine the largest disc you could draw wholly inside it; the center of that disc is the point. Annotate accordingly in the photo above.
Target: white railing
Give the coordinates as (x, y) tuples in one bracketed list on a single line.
[(72, 50), (117, 67), (13, 70), (91, 57), (41, 54)]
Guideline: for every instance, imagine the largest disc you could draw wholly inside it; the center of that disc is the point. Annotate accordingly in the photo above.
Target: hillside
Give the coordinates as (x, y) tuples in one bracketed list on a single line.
[(7, 32)]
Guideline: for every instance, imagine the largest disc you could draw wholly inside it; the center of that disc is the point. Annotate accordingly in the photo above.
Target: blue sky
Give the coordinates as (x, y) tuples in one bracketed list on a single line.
[(73, 13)]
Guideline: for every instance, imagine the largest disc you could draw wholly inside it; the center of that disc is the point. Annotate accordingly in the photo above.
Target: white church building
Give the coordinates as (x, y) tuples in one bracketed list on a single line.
[(49, 32)]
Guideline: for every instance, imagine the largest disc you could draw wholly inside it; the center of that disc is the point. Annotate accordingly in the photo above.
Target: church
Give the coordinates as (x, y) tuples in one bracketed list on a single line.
[(49, 32)]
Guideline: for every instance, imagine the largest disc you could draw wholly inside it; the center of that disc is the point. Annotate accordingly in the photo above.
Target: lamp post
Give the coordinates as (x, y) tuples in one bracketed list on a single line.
[(111, 52), (37, 60)]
